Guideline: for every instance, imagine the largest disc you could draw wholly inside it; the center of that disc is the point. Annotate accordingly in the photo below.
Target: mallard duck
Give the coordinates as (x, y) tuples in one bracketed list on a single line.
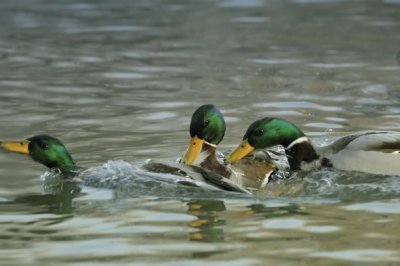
[(370, 152), (50, 152), (46, 150), (207, 129)]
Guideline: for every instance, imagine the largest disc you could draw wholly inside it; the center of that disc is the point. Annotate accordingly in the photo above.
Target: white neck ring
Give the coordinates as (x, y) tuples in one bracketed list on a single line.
[(297, 141)]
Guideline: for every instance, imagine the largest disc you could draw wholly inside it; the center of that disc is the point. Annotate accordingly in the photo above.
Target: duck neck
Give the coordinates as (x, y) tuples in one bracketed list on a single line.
[(301, 154), (57, 158), (72, 168), (210, 161), (70, 171)]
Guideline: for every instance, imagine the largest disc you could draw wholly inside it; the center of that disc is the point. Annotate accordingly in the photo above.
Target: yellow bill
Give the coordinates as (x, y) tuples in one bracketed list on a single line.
[(194, 148), (16, 146), (241, 151)]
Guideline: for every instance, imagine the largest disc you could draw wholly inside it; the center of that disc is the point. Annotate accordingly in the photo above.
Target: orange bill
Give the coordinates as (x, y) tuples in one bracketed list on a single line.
[(244, 149), (16, 146), (194, 148)]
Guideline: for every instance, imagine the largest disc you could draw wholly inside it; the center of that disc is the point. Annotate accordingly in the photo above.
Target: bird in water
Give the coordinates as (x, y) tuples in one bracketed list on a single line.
[(51, 152), (370, 152), (207, 129), (46, 150)]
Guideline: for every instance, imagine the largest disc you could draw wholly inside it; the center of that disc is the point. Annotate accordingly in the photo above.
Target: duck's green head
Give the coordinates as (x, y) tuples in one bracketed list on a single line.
[(265, 133), (44, 149), (207, 126)]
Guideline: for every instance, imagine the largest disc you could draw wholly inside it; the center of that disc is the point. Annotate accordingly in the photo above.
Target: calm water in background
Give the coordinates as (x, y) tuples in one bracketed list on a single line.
[(120, 80)]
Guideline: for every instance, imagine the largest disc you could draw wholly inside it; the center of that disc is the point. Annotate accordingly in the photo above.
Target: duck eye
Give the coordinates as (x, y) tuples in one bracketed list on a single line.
[(259, 132), (205, 123), (43, 145)]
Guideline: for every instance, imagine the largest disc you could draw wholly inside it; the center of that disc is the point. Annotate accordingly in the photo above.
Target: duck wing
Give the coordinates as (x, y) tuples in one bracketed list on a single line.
[(222, 182), (195, 176)]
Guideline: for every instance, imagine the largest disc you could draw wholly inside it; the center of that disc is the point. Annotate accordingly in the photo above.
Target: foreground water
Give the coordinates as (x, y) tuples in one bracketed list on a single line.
[(118, 81)]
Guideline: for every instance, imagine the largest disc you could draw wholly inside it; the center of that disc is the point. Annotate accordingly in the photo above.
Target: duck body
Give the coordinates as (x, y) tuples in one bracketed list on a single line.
[(207, 129), (254, 171), (370, 152)]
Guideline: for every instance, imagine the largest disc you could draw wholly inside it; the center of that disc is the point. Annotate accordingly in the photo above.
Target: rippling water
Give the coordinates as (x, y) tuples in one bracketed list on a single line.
[(118, 82)]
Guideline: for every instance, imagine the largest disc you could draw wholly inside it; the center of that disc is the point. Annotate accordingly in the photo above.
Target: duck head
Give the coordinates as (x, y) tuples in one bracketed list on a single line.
[(207, 129), (43, 149), (264, 133)]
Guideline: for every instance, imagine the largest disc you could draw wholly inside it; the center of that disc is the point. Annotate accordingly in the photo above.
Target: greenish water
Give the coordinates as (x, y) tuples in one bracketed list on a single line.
[(118, 82)]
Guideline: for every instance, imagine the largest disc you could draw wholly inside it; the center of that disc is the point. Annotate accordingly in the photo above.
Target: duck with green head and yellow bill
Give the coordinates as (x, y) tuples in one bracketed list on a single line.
[(207, 129), (46, 150), (50, 152), (371, 152), (199, 166)]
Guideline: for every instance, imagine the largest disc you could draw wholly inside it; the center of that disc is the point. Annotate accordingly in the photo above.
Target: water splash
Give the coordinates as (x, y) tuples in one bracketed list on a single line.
[(129, 180)]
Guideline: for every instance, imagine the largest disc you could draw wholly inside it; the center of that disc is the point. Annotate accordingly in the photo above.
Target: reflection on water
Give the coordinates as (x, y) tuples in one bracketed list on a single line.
[(211, 227), (53, 203), (118, 82)]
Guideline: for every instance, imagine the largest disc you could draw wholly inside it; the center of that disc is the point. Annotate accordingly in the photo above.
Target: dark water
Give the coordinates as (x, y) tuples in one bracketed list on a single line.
[(117, 81)]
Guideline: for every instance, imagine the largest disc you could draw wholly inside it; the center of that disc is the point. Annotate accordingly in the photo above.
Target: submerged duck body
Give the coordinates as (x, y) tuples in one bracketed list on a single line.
[(370, 152)]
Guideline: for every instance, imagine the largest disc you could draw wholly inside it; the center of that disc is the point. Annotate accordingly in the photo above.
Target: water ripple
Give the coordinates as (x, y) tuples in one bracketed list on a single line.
[(366, 255), (250, 20), (105, 29), (241, 3), (125, 75), (377, 206), (277, 61), (294, 105), (338, 65)]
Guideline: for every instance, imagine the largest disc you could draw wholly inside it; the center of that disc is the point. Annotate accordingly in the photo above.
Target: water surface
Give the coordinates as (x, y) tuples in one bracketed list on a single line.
[(118, 82)]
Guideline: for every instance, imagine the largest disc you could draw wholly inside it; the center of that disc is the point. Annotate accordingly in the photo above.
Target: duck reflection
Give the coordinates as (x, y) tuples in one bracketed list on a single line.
[(57, 204), (210, 226), (57, 199), (273, 212)]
